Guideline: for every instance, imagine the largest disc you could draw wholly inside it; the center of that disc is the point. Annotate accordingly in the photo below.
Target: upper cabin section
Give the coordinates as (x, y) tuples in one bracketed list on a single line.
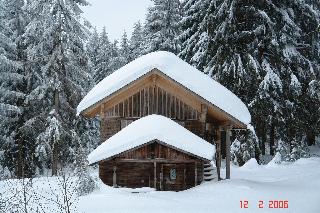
[(161, 83)]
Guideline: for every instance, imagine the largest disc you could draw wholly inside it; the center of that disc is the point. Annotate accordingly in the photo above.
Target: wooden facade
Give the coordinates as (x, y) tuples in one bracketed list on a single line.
[(155, 93), (151, 166)]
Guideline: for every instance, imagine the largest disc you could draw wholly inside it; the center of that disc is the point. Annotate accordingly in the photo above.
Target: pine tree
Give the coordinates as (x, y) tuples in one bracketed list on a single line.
[(266, 52), (162, 26), (92, 50), (194, 36), (125, 56), (117, 59), (137, 41), (60, 76), (103, 67), (86, 183), (12, 81)]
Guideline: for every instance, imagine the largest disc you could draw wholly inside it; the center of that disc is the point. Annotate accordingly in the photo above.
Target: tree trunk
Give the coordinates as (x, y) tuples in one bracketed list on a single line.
[(311, 139), (55, 143), (20, 164), (263, 142), (272, 137)]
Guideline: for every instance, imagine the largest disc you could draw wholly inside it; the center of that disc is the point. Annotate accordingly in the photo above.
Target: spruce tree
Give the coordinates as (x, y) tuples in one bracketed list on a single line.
[(162, 26), (125, 55), (102, 67), (137, 41), (266, 52), (12, 80), (60, 76)]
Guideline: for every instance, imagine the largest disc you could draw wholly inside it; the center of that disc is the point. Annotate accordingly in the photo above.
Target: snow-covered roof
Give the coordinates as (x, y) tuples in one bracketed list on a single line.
[(147, 129), (177, 69)]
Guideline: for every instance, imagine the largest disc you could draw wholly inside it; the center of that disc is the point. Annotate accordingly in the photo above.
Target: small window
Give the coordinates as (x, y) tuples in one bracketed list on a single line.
[(173, 174)]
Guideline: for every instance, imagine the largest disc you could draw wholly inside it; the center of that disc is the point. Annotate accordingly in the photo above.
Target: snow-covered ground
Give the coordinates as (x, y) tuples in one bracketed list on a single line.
[(298, 183)]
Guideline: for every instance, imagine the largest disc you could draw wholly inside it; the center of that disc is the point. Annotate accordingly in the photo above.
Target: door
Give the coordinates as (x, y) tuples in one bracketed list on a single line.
[(172, 177)]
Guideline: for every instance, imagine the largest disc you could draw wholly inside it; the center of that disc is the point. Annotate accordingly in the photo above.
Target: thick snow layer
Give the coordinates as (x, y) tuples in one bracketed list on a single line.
[(251, 164), (150, 128), (177, 69), (298, 183)]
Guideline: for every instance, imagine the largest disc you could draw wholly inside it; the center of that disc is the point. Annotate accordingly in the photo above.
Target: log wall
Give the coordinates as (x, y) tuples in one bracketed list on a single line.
[(136, 168)]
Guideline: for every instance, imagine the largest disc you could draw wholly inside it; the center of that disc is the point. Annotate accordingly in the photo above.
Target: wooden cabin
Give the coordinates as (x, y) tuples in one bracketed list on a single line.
[(153, 151), (161, 83)]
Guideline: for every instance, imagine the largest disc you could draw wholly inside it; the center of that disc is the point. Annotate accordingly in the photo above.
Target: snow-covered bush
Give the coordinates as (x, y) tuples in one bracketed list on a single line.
[(86, 183), (299, 149), (276, 159), (235, 151), (2, 203), (245, 147), (296, 149)]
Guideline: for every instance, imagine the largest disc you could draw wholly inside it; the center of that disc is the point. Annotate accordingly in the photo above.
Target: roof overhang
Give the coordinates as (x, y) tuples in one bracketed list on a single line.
[(156, 76), (148, 143)]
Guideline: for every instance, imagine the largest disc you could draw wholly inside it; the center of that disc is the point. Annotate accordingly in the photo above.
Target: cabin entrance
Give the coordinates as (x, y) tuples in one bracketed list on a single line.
[(172, 177)]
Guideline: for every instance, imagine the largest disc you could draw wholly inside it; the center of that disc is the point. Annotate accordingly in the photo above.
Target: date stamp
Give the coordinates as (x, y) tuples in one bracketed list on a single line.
[(271, 204)]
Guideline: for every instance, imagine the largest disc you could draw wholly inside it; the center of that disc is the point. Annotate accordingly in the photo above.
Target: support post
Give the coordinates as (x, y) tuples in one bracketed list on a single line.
[(203, 119), (102, 123), (228, 157), (155, 175), (195, 174), (114, 178), (218, 152)]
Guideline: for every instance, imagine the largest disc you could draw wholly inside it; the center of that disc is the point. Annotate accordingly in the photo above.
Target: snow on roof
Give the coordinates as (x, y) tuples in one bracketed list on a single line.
[(177, 69), (147, 129)]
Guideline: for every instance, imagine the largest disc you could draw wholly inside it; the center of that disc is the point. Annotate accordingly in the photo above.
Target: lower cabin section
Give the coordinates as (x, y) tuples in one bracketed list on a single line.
[(153, 165)]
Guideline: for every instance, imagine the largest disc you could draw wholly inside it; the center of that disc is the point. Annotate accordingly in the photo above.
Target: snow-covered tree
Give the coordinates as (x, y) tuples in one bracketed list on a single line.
[(244, 147), (12, 79), (162, 26), (194, 37), (102, 66), (86, 183), (125, 56), (92, 49), (137, 41), (60, 74), (266, 52), (117, 60)]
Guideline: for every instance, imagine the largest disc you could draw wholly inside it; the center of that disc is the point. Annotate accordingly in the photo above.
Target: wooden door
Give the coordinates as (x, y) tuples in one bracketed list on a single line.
[(172, 177)]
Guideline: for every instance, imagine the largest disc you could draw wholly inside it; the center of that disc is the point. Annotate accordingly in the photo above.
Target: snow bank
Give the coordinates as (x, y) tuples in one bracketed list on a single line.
[(177, 69), (250, 164), (150, 128), (298, 184), (276, 160)]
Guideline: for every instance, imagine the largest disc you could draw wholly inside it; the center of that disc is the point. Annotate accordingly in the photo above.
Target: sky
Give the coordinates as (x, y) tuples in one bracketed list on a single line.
[(116, 15)]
